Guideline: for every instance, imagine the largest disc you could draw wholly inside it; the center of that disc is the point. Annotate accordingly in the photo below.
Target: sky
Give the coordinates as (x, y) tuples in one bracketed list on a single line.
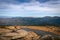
[(29, 8)]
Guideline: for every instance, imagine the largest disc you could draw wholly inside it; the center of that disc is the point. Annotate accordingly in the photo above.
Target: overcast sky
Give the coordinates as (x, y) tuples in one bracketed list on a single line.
[(29, 8)]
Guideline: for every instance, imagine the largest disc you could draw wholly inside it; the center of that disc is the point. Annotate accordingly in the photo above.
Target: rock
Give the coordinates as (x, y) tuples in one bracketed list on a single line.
[(5, 38), (21, 33), (18, 27), (15, 35), (3, 30), (32, 36), (47, 37), (11, 27)]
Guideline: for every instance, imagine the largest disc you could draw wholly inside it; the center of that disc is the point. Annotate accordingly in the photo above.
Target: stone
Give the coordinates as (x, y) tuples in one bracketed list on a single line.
[(32, 36), (47, 37), (15, 35)]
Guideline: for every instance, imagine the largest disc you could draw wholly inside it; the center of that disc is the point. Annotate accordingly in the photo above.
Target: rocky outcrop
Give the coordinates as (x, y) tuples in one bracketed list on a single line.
[(47, 37), (18, 34), (31, 36), (13, 33), (13, 27)]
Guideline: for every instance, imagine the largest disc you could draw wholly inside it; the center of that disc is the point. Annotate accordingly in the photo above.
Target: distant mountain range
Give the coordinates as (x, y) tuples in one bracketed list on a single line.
[(31, 21)]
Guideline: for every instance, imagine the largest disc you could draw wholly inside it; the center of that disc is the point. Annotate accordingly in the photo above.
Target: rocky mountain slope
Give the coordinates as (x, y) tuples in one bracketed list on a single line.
[(12, 33)]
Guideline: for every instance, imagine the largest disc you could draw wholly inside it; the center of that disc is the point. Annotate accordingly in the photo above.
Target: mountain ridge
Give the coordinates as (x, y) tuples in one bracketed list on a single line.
[(28, 21)]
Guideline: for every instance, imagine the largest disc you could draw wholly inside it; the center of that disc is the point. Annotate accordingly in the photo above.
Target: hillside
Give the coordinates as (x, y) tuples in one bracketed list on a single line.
[(30, 21), (29, 33)]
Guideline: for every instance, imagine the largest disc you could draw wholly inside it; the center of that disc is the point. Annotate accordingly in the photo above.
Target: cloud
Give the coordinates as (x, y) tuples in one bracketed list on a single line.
[(14, 7)]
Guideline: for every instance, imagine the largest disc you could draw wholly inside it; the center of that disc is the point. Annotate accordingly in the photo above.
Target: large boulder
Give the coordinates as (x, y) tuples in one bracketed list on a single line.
[(15, 35), (31, 36), (47, 37)]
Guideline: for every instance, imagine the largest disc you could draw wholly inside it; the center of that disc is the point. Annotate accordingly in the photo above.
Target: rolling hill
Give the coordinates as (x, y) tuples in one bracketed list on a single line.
[(31, 21)]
